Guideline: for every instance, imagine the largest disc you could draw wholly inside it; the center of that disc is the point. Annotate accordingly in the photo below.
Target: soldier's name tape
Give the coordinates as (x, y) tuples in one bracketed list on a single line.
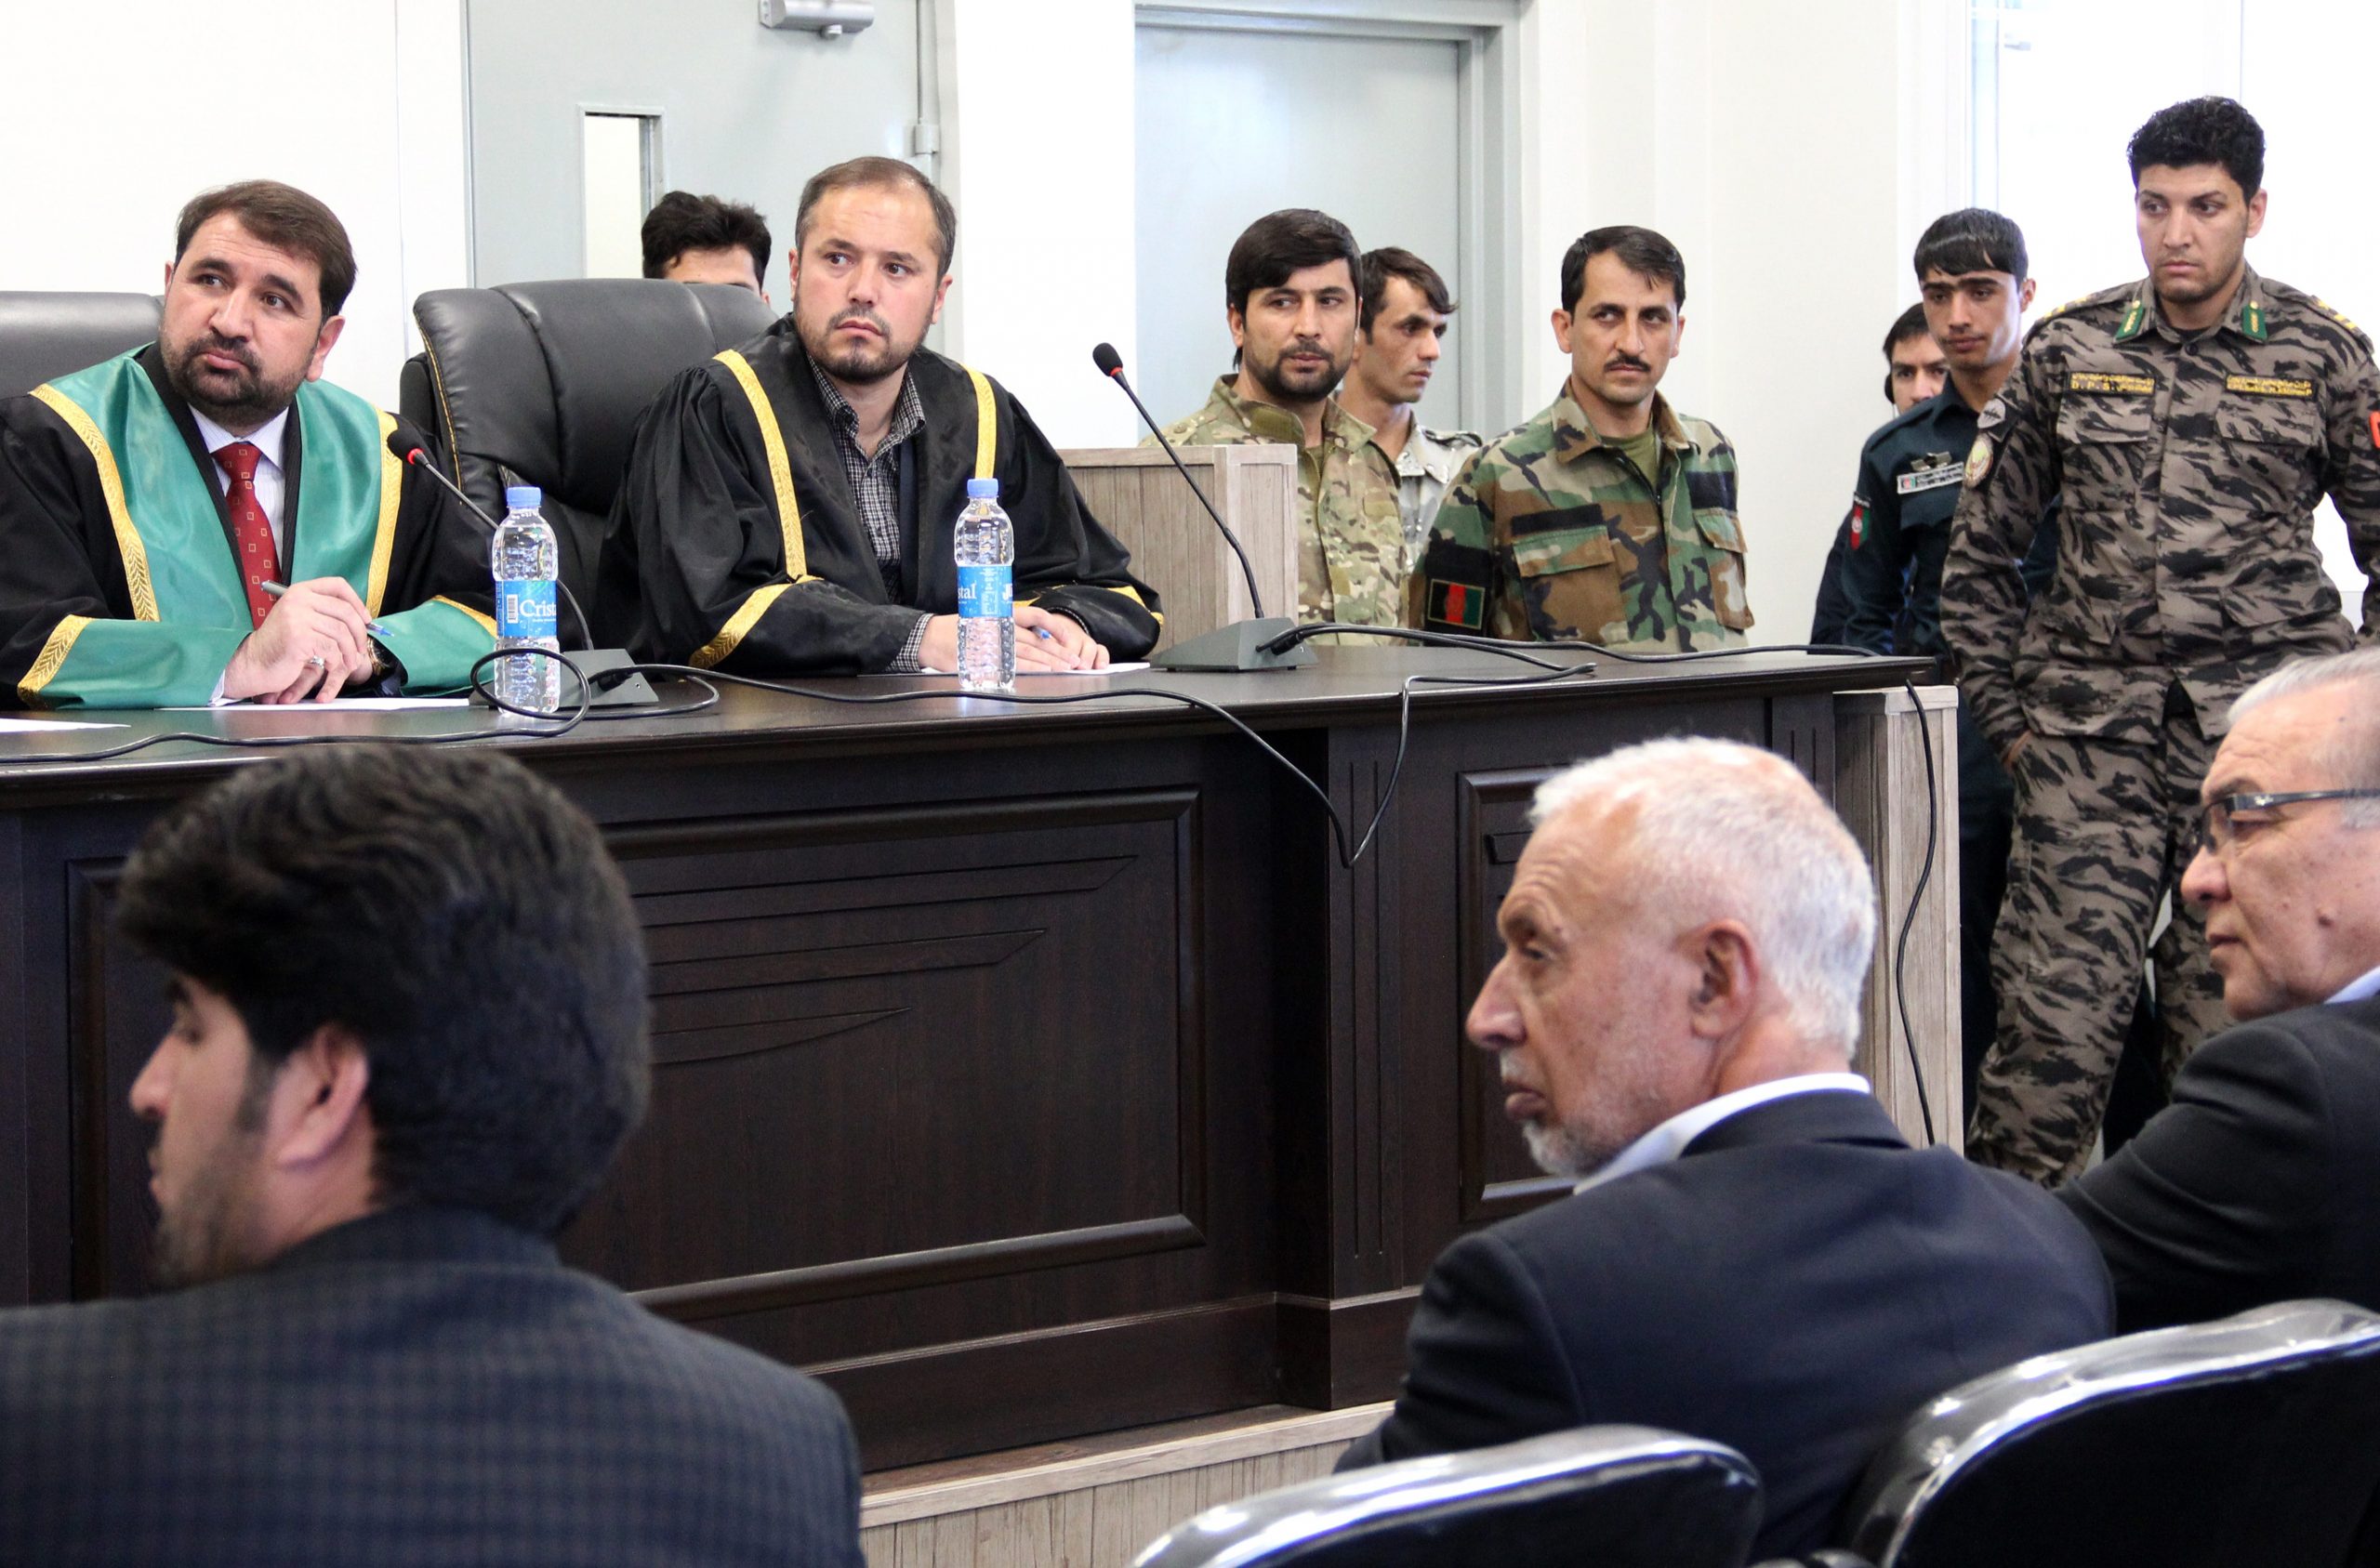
[(1947, 471), (2268, 386), (2104, 381)]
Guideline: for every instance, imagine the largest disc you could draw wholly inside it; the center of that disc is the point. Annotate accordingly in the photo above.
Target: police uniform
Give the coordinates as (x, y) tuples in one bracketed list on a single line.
[(1351, 557), (2188, 466), (1893, 546), (1550, 533)]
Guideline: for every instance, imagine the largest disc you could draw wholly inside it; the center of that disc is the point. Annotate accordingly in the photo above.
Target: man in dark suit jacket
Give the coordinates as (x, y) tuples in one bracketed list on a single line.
[(2261, 1181), (1754, 1254), (408, 1038)]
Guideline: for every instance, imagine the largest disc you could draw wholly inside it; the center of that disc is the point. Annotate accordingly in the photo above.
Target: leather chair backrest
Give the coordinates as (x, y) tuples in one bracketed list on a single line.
[(1613, 1496), (541, 384), (2254, 1439), (45, 336)]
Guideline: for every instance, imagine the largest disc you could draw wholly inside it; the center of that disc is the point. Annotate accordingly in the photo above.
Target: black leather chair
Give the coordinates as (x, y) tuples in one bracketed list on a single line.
[(44, 336), (1611, 1496), (541, 384), (2256, 1439)]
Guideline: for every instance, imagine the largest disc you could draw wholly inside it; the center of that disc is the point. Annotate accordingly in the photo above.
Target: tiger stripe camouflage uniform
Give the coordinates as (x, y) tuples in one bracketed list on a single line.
[(1549, 533), (1351, 555), (2189, 466)]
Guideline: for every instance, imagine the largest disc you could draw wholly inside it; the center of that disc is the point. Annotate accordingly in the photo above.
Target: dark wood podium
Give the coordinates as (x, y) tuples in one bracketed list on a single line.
[(1024, 1071)]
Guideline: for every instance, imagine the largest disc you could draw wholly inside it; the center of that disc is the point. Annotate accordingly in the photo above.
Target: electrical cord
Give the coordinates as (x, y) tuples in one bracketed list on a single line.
[(1908, 919)]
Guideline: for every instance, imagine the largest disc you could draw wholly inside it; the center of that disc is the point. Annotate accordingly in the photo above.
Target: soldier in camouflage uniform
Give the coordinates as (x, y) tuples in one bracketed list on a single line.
[(1607, 518), (2190, 423), (1407, 307), (1290, 299)]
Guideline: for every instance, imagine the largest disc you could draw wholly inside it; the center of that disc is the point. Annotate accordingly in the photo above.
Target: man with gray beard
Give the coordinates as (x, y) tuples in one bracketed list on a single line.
[(1753, 1254)]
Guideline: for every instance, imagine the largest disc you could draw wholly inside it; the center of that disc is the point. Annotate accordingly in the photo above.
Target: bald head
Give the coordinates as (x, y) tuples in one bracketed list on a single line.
[(1688, 919)]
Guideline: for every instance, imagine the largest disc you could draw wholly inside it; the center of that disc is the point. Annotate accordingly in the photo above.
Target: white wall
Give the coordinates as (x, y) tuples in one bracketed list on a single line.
[(1038, 157), (116, 115)]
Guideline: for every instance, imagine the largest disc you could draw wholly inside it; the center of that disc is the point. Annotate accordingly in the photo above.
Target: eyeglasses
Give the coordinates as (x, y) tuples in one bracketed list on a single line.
[(2223, 819)]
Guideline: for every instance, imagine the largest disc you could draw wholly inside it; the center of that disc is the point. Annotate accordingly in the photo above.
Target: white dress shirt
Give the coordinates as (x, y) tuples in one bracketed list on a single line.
[(1667, 1141), (272, 484), (2357, 990)]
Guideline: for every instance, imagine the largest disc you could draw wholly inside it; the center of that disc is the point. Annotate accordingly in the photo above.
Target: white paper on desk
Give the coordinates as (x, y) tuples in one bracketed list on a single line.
[(351, 704), (37, 726), (1125, 668)]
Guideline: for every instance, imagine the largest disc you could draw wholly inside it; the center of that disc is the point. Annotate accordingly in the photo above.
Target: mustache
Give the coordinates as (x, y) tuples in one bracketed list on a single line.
[(859, 313), (215, 343), (1626, 361)]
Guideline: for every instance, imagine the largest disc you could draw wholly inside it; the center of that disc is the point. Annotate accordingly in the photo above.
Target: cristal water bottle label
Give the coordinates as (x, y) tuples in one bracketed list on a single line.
[(982, 590), (524, 608)]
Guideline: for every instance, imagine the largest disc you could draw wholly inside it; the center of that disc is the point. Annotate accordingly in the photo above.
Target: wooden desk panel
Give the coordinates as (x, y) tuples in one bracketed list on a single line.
[(1025, 1073)]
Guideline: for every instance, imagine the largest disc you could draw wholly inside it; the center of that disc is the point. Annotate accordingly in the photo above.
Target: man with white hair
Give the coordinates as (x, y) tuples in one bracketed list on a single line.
[(2261, 1181), (1753, 1254)]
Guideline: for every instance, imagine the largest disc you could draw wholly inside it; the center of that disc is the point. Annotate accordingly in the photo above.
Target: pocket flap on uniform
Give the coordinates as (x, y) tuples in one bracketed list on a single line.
[(1720, 531), (2089, 416), (2285, 421), (1544, 554)]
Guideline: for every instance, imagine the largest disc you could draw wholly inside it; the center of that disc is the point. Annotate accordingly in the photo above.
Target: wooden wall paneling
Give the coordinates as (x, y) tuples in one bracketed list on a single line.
[(1137, 493), (1881, 790)]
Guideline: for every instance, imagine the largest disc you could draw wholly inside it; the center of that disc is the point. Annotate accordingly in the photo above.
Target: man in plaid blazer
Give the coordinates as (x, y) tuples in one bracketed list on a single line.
[(408, 1038)]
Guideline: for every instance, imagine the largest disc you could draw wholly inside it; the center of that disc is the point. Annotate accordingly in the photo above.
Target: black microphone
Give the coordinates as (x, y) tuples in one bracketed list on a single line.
[(611, 674), (1239, 646)]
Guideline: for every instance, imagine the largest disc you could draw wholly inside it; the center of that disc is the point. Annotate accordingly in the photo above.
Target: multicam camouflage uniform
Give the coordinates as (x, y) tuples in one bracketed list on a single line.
[(1549, 533), (1351, 561), (2189, 466)]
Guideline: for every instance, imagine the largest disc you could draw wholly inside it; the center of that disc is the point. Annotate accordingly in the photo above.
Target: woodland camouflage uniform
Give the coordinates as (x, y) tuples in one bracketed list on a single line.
[(1549, 533)]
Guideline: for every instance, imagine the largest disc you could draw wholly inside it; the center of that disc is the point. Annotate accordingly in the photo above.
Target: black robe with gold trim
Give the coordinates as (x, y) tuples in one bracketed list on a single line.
[(701, 536)]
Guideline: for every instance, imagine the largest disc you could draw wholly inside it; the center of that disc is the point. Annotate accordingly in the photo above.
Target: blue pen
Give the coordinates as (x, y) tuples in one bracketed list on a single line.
[(375, 627)]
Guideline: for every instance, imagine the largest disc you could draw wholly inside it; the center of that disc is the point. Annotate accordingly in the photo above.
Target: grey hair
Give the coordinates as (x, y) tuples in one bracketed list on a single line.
[(1724, 830), (2351, 756)]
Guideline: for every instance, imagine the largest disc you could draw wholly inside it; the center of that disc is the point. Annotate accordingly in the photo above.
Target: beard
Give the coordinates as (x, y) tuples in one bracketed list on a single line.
[(235, 400), (1567, 1151), (204, 1235), (861, 363), (1300, 383)]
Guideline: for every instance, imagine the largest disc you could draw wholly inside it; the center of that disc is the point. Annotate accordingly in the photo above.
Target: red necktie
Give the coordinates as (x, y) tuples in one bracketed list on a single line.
[(256, 561)]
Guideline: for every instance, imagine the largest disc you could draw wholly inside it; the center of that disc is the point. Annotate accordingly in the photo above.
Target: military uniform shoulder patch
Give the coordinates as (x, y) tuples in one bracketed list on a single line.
[(1860, 510), (1994, 413), (1457, 604), (1979, 457)]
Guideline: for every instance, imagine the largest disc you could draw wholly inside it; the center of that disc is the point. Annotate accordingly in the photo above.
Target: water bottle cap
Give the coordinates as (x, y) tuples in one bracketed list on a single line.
[(522, 497), (982, 489)]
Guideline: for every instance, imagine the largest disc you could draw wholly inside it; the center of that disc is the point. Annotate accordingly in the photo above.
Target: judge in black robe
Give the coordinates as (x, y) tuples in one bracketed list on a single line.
[(699, 533)]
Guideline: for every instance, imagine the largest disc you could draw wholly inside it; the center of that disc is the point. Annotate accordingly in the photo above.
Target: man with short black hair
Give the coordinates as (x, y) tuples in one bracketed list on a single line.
[(408, 1038), (789, 506), (1914, 370), (152, 507), (1404, 309), (691, 238), (2188, 424), (1752, 1254), (2261, 1181), (1608, 517), (1976, 282), (1291, 300)]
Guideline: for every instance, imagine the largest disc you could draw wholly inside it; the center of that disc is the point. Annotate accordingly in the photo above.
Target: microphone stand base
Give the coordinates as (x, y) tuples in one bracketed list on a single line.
[(1239, 646), (630, 691)]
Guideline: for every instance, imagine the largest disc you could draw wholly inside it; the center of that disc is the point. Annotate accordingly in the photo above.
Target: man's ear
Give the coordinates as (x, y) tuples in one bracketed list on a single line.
[(1727, 978), (317, 1101)]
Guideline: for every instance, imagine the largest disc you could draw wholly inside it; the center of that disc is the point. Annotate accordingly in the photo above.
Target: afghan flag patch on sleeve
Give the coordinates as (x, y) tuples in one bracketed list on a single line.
[(1859, 523), (1457, 604)]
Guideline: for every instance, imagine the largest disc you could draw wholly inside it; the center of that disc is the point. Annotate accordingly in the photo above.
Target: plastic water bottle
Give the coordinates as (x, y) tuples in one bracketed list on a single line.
[(985, 546), (526, 563)]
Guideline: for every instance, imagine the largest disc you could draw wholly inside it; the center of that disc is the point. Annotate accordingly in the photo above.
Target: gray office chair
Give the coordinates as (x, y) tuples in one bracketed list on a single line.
[(1611, 1496), (2256, 1439), (45, 336)]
